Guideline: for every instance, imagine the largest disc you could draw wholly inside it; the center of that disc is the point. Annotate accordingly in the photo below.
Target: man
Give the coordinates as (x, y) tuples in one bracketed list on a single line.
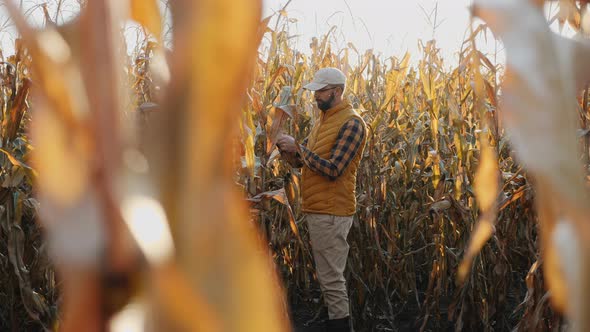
[(330, 157)]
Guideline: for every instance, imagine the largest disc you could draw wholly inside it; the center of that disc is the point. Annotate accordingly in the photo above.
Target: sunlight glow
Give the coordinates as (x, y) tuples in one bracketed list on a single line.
[(130, 319), (148, 224)]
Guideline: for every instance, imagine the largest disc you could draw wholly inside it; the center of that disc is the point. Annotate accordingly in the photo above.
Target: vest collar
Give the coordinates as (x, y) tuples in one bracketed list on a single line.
[(342, 106)]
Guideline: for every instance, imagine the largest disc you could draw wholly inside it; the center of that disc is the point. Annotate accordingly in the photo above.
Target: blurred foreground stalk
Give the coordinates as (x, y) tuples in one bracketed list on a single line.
[(172, 235)]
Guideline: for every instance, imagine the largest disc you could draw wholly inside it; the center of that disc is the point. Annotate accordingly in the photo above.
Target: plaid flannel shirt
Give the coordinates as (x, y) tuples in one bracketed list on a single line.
[(347, 144)]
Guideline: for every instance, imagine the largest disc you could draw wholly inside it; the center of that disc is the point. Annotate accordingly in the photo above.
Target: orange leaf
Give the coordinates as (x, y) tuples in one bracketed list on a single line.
[(486, 179), (482, 233), (147, 13)]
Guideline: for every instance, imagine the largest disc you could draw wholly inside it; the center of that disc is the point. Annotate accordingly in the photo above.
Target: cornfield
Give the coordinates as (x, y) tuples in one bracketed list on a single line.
[(417, 203), (449, 232)]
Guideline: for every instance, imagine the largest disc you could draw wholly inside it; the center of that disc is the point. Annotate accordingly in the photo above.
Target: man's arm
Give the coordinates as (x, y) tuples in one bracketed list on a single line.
[(347, 144)]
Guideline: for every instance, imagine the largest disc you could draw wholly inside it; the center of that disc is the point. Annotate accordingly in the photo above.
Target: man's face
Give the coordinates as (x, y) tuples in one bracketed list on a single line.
[(325, 98)]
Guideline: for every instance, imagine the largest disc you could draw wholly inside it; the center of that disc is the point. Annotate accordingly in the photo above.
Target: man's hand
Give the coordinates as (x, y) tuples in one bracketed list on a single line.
[(287, 144), (289, 152)]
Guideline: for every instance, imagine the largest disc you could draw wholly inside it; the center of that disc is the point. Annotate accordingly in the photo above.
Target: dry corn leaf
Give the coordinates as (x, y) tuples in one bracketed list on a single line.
[(249, 131), (12, 123), (486, 193), (277, 118), (281, 197), (568, 11), (486, 179), (274, 124), (481, 234)]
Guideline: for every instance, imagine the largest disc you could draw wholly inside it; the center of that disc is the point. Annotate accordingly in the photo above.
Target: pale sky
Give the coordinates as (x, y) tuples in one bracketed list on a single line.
[(390, 27)]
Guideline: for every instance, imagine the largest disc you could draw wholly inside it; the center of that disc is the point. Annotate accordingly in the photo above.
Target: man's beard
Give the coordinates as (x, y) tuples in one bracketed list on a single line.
[(326, 105)]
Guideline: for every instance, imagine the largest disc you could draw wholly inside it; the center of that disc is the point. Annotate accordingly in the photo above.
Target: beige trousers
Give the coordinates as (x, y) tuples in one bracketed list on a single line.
[(330, 250)]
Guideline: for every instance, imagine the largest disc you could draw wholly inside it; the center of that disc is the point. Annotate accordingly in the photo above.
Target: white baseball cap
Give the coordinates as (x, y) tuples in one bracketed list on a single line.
[(325, 77)]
